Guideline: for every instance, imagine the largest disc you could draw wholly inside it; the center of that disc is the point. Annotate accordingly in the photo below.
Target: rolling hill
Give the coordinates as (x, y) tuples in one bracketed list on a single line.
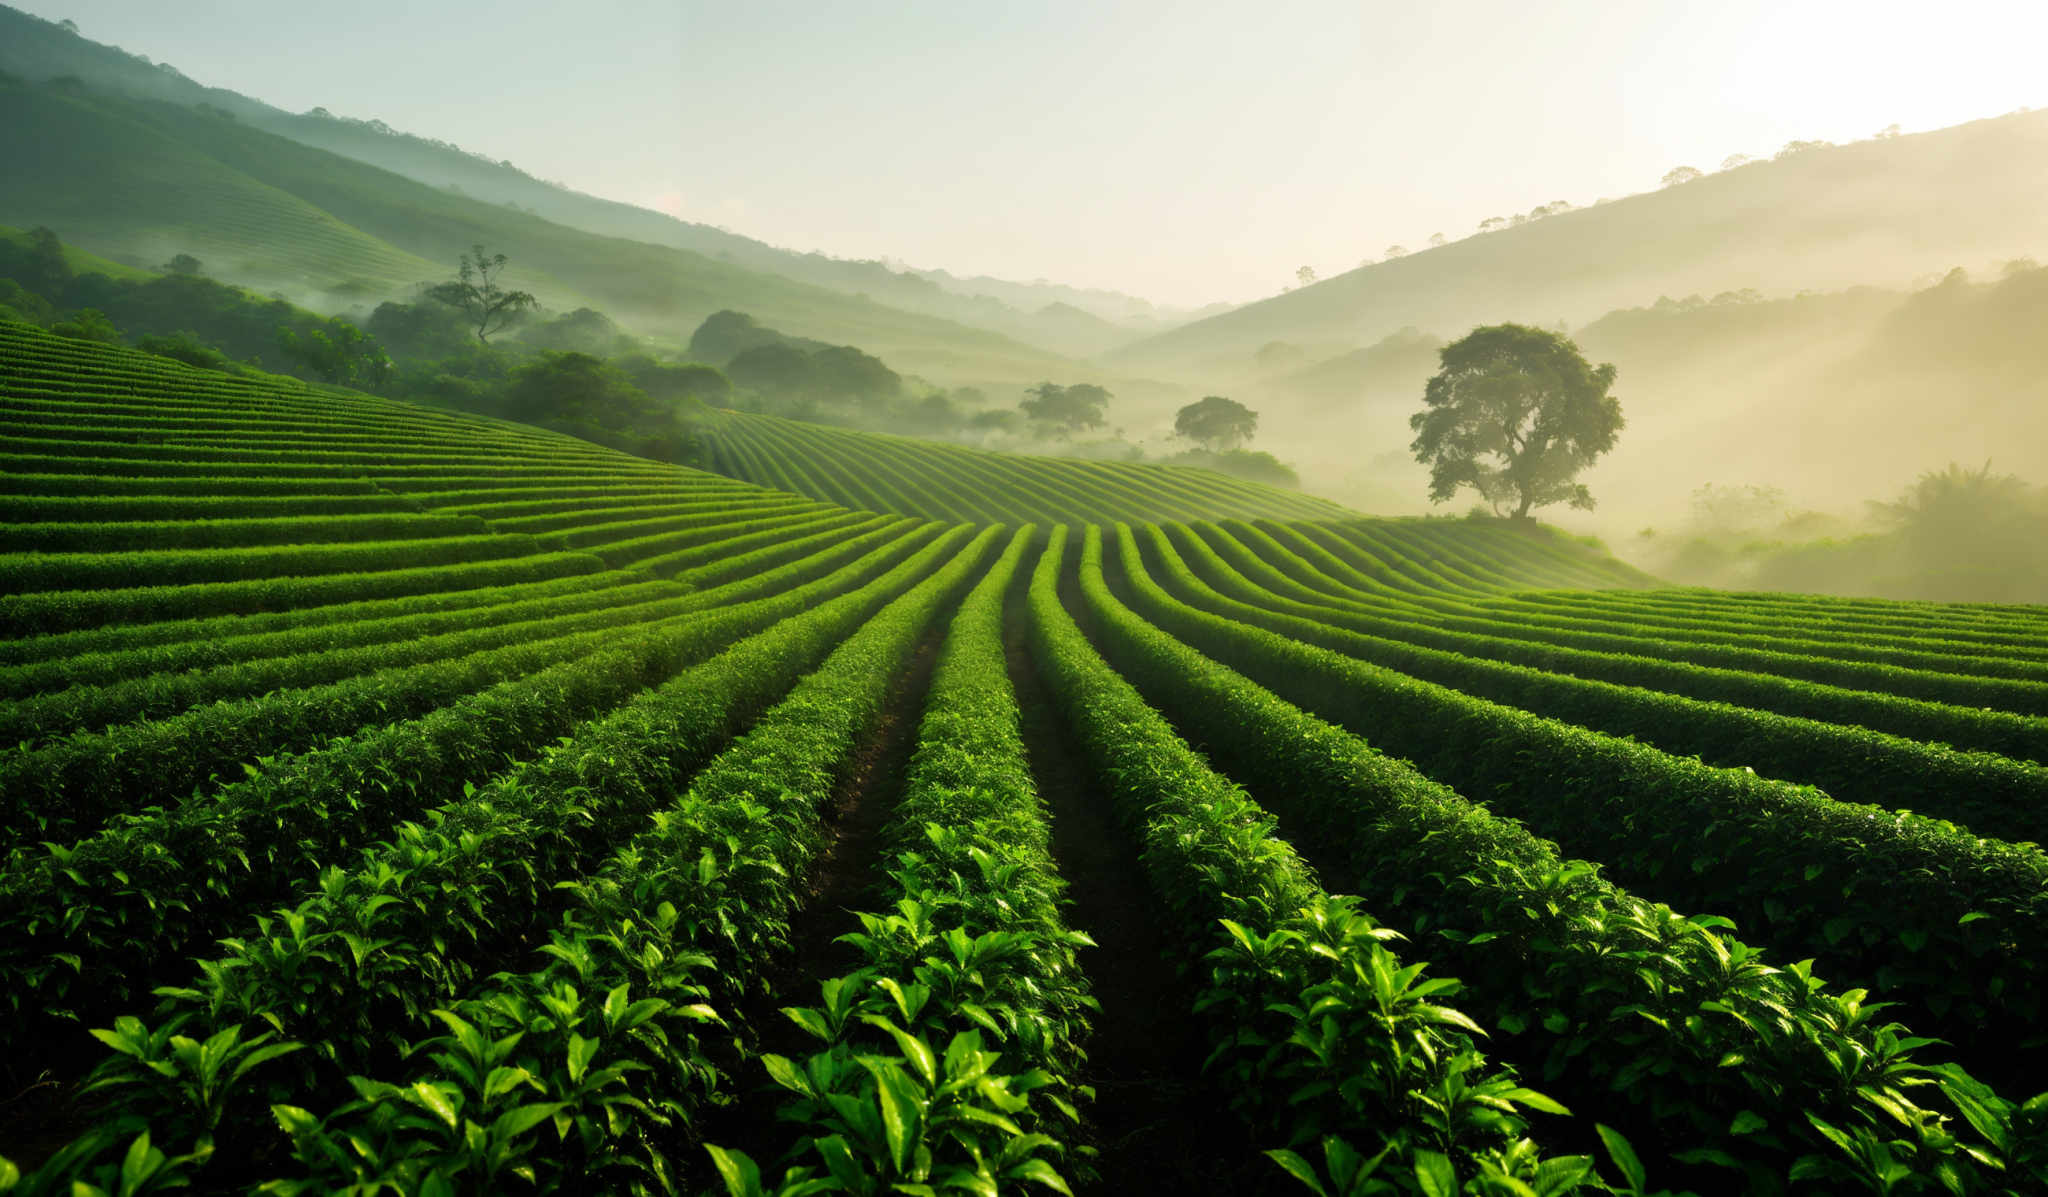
[(1066, 320), (408, 799), (143, 180), (1876, 212)]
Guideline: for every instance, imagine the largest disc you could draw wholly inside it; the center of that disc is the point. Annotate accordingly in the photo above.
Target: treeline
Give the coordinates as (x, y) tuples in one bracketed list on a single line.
[(1956, 534), (577, 372)]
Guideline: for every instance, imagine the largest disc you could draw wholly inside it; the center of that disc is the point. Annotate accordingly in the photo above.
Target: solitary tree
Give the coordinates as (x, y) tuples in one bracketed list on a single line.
[(1734, 160), (1216, 423), (1305, 275), (1066, 409), (1680, 174), (1515, 413), (1396, 251), (477, 293), (1436, 239)]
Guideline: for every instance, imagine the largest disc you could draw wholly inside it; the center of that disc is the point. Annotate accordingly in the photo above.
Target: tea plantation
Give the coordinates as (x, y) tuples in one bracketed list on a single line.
[(400, 801)]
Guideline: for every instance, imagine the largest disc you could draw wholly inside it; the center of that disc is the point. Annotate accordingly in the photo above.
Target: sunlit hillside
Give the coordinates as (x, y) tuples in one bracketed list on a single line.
[(147, 180), (1879, 212)]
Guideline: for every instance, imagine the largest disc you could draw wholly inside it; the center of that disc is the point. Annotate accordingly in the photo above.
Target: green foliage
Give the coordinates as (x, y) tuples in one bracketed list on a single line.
[(161, 878), (1066, 410), (339, 353), (1288, 959), (683, 385), (479, 293), (1523, 396), (1607, 988), (419, 330), (726, 335), (1788, 860), (969, 1000), (1216, 423), (185, 346), (799, 374), (584, 330), (88, 324), (449, 869)]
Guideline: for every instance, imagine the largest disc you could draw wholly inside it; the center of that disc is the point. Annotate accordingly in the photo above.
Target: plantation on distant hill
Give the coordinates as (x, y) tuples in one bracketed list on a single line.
[(876, 472), (409, 799)]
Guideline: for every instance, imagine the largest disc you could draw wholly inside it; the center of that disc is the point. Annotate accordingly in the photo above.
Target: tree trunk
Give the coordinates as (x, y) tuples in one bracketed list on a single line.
[(1522, 512)]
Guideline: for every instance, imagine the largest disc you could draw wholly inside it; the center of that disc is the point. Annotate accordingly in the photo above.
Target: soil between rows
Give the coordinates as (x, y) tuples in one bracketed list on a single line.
[(1157, 1125), (862, 801)]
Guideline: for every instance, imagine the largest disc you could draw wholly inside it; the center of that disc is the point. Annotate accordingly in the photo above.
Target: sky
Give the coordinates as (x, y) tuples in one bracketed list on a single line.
[(1185, 151)]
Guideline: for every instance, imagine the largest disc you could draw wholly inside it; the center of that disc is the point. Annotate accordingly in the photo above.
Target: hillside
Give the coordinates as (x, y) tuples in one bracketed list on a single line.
[(1875, 212), (144, 180), (419, 762), (877, 472), (1036, 313)]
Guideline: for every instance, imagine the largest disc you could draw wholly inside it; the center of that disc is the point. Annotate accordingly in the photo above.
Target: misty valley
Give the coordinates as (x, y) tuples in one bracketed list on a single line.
[(525, 686)]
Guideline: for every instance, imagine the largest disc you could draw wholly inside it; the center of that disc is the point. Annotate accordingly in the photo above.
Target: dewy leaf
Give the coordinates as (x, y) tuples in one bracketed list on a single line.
[(430, 1097), (786, 1074), (900, 1105), (516, 1122), (741, 1175)]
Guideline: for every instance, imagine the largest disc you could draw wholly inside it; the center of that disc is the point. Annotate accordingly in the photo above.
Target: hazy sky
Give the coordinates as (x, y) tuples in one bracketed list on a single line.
[(1185, 151)]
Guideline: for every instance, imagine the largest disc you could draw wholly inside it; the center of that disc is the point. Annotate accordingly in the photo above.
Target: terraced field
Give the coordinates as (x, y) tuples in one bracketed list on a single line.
[(414, 803), (875, 472)]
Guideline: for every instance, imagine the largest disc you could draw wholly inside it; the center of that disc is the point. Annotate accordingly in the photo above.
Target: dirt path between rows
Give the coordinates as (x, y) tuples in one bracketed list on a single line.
[(1159, 1128), (840, 882)]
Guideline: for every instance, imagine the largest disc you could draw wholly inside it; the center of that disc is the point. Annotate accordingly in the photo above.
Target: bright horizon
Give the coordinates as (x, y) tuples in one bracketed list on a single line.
[(1176, 152)]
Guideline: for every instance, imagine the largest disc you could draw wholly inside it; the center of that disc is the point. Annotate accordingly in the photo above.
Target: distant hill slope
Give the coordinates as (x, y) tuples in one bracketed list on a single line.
[(145, 180), (952, 482), (1875, 212), (37, 50)]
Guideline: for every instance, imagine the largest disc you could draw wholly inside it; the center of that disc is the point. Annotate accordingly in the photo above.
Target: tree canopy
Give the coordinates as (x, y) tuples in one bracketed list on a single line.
[(478, 294), (1515, 413), (1216, 423), (1066, 409)]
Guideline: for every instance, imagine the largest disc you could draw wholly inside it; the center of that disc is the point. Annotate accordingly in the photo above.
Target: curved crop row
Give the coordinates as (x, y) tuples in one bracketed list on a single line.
[(1930, 913), (882, 473), (1311, 555), (1317, 1027), (1627, 1003), (971, 935), (377, 948), (712, 882), (1995, 793), (83, 921)]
